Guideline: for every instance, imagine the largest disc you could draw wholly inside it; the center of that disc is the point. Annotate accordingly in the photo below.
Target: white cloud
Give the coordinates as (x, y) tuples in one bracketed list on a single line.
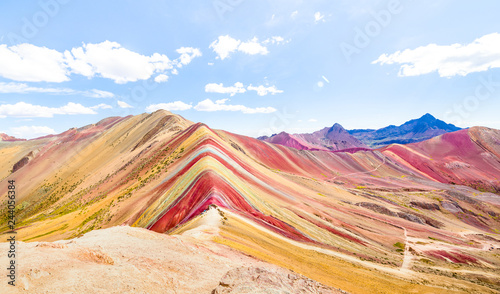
[(124, 104), (262, 90), (253, 47), (225, 45), (187, 55), (276, 40), (21, 88), (101, 106), (161, 78), (23, 109), (319, 17), (239, 88), (219, 88), (110, 60), (171, 106), (221, 101), (30, 63), (448, 61), (312, 120), (29, 132), (294, 14), (219, 105), (98, 94)]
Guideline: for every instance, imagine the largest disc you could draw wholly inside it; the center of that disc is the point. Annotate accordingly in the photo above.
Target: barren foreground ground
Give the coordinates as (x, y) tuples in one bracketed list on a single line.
[(134, 260)]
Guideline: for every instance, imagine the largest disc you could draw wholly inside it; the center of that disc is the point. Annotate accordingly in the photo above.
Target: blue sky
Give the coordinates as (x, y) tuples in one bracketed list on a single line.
[(251, 67)]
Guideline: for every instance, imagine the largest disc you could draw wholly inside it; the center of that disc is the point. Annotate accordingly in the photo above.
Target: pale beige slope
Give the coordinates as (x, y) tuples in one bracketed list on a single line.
[(134, 260)]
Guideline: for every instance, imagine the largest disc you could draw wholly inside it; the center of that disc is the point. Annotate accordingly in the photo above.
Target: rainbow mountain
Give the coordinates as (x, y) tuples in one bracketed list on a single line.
[(414, 218)]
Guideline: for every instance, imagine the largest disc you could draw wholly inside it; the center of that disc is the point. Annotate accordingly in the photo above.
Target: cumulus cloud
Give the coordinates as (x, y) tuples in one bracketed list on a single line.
[(21, 88), (224, 46), (123, 104), (171, 106), (252, 47), (219, 88), (187, 55), (29, 132), (23, 109), (110, 60), (262, 90), (161, 78), (448, 60), (220, 105), (30, 63)]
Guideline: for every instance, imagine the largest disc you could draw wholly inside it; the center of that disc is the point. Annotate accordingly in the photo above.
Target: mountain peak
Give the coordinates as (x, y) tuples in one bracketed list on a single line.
[(427, 117), (336, 128)]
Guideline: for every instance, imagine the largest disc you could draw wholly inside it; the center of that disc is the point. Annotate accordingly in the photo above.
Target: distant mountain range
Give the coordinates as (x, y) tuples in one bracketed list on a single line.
[(337, 138), (415, 130), (327, 139)]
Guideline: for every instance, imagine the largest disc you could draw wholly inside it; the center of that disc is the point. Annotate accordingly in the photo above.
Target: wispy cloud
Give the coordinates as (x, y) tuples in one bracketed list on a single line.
[(21, 88), (448, 60), (318, 17), (23, 109), (171, 106), (220, 105), (123, 104), (102, 106), (263, 90), (219, 88), (239, 88)]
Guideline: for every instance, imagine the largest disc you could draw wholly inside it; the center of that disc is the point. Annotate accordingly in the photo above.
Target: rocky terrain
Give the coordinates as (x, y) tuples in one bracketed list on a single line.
[(414, 218)]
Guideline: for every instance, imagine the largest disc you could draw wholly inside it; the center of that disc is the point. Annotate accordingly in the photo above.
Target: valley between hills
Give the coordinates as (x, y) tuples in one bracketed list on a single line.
[(155, 203)]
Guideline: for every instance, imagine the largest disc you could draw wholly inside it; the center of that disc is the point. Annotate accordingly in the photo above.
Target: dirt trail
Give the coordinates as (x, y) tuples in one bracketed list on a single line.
[(407, 255)]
